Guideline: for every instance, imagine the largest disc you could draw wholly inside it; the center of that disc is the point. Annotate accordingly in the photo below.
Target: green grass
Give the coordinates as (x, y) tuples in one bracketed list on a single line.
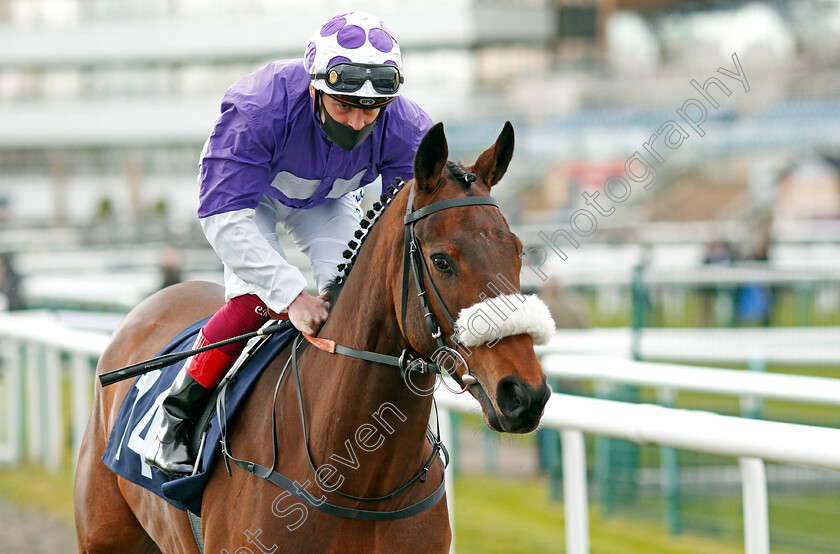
[(789, 309), (503, 515), (33, 486), (36, 488), (494, 515)]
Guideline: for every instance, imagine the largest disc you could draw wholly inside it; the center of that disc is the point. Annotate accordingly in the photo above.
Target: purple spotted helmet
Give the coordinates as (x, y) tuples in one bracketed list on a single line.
[(354, 54)]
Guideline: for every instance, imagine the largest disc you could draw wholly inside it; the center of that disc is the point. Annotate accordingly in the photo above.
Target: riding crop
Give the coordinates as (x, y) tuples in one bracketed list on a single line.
[(168, 359)]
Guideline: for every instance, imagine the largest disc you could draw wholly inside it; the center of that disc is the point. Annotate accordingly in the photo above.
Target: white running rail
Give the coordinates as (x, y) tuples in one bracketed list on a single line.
[(34, 351), (751, 441), (666, 378)]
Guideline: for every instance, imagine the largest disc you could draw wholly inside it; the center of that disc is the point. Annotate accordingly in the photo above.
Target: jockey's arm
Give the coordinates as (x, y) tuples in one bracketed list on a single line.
[(279, 284), (234, 174), (242, 247)]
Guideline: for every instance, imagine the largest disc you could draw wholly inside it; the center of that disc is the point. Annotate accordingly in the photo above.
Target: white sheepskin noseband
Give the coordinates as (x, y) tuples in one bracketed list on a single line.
[(510, 314)]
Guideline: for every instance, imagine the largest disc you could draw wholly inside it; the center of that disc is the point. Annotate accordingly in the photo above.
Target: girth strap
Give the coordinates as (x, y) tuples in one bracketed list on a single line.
[(195, 527)]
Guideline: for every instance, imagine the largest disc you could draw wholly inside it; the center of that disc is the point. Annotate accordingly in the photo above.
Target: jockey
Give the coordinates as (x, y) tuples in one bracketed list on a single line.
[(295, 141)]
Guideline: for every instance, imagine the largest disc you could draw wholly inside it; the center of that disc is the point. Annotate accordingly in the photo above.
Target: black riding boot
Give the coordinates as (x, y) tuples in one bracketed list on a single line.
[(171, 451)]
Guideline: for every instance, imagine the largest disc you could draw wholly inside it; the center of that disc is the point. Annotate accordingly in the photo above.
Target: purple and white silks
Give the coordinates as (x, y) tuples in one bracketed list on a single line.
[(267, 159)]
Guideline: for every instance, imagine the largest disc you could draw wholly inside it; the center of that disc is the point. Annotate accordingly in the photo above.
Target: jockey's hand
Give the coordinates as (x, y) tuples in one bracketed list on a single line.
[(307, 313)]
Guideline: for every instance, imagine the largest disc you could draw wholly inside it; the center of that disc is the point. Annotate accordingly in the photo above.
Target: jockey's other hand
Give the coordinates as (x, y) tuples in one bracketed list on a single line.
[(307, 313)]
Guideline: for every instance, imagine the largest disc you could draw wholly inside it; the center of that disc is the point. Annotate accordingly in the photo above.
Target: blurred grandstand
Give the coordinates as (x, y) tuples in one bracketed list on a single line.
[(105, 104)]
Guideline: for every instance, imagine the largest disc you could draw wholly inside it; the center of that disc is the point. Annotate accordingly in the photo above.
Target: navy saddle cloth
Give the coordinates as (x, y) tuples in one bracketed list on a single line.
[(139, 419)]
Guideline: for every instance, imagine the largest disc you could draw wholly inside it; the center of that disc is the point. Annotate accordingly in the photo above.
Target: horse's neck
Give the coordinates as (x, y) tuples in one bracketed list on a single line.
[(368, 406)]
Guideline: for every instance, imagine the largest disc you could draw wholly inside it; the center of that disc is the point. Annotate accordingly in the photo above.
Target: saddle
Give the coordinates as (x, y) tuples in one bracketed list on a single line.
[(139, 417)]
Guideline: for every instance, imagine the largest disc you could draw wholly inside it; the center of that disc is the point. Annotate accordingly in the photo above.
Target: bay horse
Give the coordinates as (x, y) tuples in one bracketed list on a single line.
[(359, 413)]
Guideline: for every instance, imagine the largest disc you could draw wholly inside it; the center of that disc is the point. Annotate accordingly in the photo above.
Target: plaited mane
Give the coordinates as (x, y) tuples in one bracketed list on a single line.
[(355, 246)]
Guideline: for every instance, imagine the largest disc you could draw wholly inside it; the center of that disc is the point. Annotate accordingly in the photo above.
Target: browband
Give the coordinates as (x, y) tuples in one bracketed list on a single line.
[(451, 203)]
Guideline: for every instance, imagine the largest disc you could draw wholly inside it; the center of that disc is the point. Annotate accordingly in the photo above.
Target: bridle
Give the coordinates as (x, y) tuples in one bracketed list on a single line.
[(413, 260), (406, 362), (413, 256)]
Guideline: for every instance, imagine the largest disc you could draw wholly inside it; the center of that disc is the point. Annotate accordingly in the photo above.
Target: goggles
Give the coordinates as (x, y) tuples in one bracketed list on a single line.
[(349, 77)]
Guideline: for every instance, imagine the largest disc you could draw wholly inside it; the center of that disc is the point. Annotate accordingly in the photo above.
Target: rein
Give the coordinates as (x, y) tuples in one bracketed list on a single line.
[(295, 489), (413, 259)]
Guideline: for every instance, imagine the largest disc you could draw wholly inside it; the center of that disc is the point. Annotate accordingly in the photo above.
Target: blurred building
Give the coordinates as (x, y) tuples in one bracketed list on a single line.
[(104, 104)]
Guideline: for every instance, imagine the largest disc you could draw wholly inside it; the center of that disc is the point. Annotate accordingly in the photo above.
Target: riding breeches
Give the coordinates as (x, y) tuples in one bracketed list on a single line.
[(254, 263), (242, 314)]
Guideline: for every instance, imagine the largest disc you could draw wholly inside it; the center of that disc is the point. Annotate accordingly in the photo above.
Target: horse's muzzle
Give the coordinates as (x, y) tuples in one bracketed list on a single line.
[(521, 405)]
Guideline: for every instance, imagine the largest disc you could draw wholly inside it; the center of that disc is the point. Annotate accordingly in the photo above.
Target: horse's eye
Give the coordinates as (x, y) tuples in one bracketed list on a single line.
[(441, 264)]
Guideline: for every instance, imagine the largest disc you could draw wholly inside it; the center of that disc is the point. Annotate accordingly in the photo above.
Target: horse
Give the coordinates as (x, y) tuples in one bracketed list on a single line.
[(368, 419)]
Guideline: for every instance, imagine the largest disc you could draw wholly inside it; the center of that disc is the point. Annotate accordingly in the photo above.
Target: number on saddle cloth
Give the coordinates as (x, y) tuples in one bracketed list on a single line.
[(139, 417)]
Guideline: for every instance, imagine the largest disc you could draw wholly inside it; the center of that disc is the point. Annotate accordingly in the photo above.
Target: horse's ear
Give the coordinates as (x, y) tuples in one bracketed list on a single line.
[(430, 158), (493, 163)]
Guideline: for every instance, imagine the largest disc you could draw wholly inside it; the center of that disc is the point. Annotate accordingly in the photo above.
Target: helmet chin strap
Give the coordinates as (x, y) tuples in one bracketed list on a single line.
[(342, 135)]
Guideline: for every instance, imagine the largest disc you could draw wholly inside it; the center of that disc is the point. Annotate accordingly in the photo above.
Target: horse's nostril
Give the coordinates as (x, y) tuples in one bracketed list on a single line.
[(513, 396), (521, 404)]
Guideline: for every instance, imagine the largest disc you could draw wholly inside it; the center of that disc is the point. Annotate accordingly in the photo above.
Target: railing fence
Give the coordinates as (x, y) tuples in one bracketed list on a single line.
[(49, 362)]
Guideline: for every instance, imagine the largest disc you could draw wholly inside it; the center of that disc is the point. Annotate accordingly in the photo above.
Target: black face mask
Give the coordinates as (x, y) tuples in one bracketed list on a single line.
[(342, 135)]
